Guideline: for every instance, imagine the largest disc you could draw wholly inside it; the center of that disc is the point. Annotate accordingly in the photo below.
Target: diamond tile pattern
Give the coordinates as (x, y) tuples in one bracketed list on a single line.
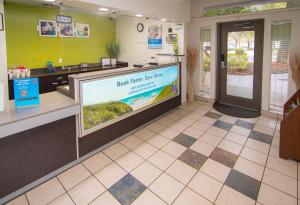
[(192, 155)]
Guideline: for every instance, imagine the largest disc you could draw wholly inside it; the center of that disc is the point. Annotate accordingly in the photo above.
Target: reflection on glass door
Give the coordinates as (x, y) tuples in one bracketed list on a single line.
[(240, 61)]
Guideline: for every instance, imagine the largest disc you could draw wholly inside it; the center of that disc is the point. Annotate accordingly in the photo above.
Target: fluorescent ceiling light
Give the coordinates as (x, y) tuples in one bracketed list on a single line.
[(50, 0), (163, 19), (139, 15), (103, 9)]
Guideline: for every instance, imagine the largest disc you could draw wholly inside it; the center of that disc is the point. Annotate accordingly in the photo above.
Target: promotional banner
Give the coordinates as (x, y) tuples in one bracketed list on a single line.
[(26, 92), (108, 99), (155, 37)]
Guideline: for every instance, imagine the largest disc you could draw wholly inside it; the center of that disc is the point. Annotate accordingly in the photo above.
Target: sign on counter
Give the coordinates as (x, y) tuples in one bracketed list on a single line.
[(26, 92)]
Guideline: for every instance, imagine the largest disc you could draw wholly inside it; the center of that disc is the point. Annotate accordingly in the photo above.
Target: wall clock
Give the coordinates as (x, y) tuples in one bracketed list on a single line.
[(140, 27)]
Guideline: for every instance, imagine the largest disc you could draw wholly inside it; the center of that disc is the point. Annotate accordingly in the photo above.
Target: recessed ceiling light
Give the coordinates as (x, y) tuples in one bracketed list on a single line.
[(139, 15), (163, 19), (50, 0), (103, 9)]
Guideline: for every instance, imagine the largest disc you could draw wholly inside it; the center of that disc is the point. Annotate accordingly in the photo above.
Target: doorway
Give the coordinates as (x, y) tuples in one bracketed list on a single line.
[(240, 57)]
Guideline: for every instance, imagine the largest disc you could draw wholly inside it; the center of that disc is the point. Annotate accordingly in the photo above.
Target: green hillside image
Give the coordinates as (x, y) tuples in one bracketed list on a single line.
[(165, 93), (94, 115)]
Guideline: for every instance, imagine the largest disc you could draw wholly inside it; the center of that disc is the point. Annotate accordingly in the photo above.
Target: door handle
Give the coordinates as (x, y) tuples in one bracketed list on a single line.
[(223, 66)]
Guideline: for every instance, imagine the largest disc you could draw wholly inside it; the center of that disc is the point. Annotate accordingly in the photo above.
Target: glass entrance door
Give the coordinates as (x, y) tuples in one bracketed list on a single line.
[(240, 63)]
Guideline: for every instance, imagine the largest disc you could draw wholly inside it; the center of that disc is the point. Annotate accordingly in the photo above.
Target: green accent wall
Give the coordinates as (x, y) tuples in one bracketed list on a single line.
[(25, 46)]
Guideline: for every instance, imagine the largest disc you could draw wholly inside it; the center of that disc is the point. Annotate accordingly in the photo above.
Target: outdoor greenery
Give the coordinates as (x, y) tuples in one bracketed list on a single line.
[(238, 61), (113, 50), (94, 115), (206, 63), (244, 9)]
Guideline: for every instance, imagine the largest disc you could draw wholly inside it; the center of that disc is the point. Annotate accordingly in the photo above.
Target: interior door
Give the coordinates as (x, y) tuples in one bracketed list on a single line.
[(240, 63)]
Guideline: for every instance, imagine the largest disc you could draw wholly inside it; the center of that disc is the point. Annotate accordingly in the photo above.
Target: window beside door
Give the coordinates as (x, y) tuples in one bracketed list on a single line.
[(205, 61), (281, 38)]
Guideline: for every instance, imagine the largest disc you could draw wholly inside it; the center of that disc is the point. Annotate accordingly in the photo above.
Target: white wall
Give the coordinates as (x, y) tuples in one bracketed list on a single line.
[(3, 67), (175, 10), (292, 15), (134, 44)]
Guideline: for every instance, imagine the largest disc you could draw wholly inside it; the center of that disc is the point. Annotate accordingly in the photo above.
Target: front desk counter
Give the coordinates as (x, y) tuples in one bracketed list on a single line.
[(38, 143), (35, 141)]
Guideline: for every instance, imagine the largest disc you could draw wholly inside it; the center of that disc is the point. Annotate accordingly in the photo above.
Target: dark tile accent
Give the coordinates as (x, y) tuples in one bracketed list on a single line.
[(261, 137), (127, 189), (245, 124), (213, 115), (193, 158), (184, 140), (224, 157), (223, 125), (243, 184)]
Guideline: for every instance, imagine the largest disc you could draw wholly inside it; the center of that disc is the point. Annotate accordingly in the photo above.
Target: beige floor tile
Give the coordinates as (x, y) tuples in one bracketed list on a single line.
[(45, 193), (105, 199), (216, 170), (110, 175), (169, 133), (174, 149), (229, 196), (115, 151), (240, 139), (148, 198), (264, 130), (270, 196), (202, 147), (195, 116), (145, 150), (217, 131), (166, 188), (207, 120), (97, 162), (283, 166), (179, 126), (249, 168), (240, 130), (86, 191), (131, 141), (257, 145), (156, 127), (200, 126), (254, 156), (281, 182), (165, 121), (129, 161), (21, 200), (161, 160), (187, 121), (230, 146), (146, 173), (210, 139), (195, 133), (228, 119), (158, 141), (189, 197), (274, 152), (181, 171), (251, 120), (73, 176), (266, 123), (205, 186), (63, 200), (276, 142), (144, 133)]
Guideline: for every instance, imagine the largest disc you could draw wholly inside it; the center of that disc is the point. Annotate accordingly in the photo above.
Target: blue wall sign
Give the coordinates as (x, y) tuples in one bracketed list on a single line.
[(26, 92)]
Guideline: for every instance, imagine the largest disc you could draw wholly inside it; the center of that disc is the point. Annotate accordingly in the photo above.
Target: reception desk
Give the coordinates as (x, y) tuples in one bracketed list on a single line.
[(97, 108)]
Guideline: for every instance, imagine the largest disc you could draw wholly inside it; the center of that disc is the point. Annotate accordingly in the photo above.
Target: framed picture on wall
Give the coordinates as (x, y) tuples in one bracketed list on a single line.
[(48, 28), (66, 30), (1, 22), (82, 30), (155, 37), (171, 38)]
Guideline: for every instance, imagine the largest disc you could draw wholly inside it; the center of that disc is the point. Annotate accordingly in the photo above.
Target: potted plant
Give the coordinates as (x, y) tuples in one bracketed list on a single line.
[(176, 49), (113, 51)]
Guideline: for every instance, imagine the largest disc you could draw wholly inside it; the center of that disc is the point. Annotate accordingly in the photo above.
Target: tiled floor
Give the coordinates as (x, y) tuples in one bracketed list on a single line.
[(192, 156)]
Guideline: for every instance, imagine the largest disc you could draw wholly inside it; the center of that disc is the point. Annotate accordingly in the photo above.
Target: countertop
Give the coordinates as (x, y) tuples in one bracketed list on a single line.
[(53, 106)]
